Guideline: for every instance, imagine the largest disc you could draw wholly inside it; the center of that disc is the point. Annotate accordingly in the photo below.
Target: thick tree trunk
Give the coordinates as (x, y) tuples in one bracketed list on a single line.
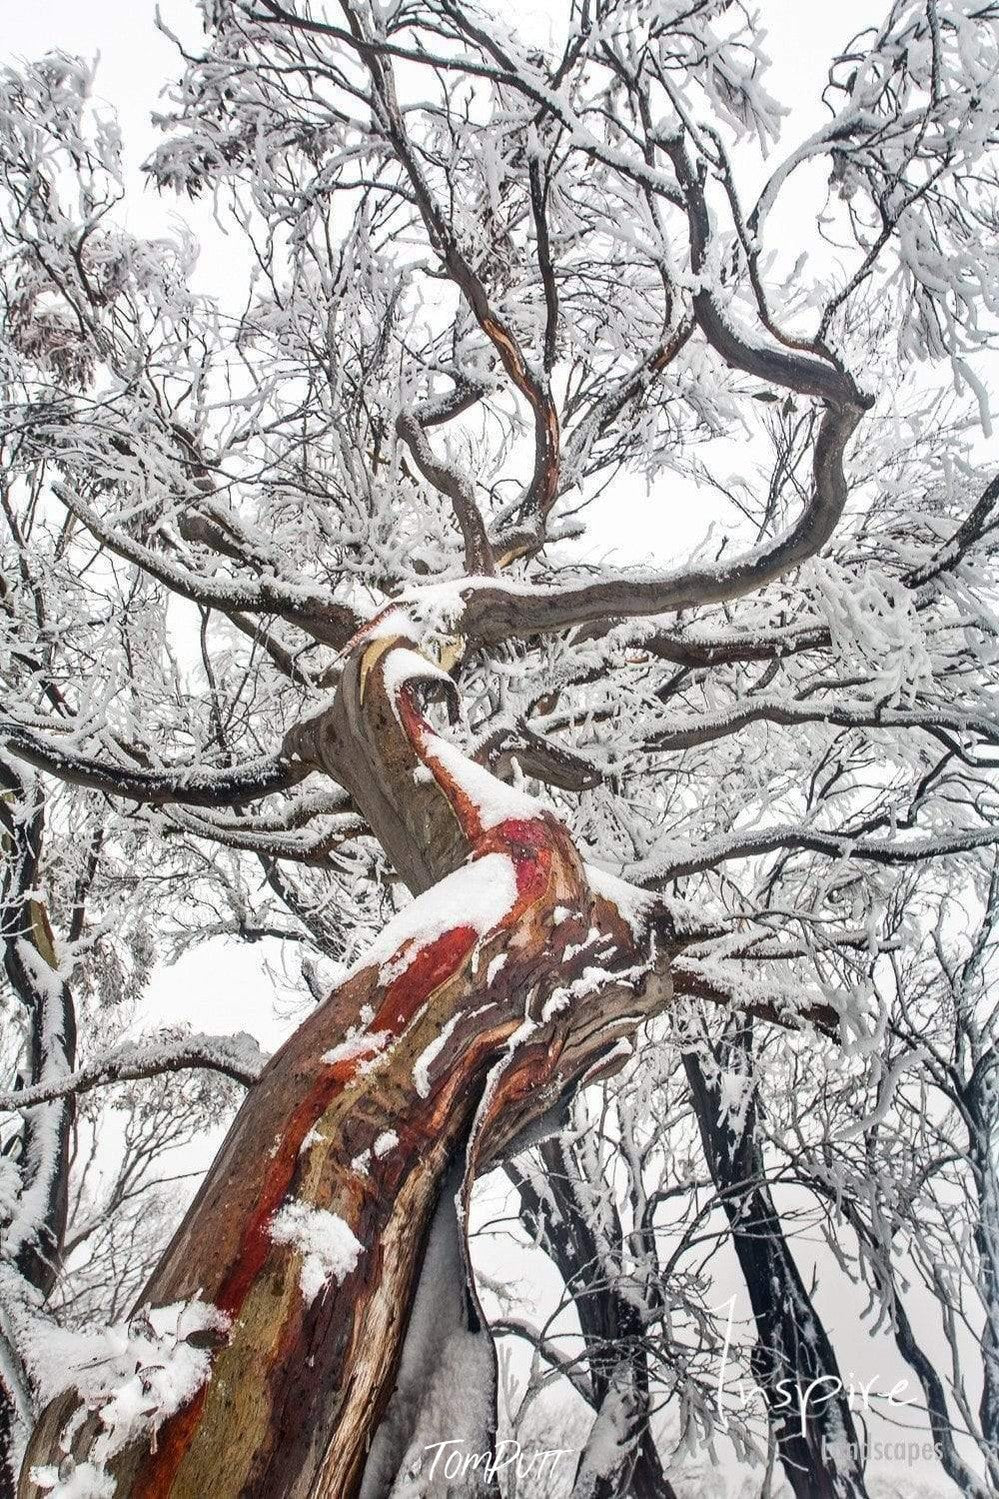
[(480, 1006), (793, 1362)]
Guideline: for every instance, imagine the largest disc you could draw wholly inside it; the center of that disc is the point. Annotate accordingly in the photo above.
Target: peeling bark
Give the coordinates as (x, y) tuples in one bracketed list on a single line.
[(299, 1388)]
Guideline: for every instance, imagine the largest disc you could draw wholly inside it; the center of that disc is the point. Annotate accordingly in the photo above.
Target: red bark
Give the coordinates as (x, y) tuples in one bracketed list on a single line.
[(298, 1387)]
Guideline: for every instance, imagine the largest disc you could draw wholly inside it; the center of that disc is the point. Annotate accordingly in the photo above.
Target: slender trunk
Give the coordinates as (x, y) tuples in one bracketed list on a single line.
[(613, 1330), (310, 1229), (8, 1446), (33, 1239), (982, 1105), (793, 1361)]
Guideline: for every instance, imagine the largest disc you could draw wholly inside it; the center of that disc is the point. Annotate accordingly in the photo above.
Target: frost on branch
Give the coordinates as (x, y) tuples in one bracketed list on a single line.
[(499, 279)]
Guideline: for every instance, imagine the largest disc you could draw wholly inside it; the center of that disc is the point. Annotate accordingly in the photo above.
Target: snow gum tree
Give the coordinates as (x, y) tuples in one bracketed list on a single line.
[(296, 579)]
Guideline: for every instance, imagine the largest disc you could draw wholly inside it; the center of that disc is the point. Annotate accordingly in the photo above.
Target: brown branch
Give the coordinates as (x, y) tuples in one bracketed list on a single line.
[(134, 1061), (194, 785), (451, 482), (543, 486), (495, 612), (536, 757), (696, 986), (316, 613), (843, 845)]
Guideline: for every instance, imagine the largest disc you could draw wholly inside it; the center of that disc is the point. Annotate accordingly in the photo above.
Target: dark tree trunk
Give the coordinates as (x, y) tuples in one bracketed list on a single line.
[(981, 1100), (34, 1240), (793, 1362), (612, 1328)]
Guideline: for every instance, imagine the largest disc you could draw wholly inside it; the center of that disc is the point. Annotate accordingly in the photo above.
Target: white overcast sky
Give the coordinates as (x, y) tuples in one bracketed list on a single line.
[(136, 60)]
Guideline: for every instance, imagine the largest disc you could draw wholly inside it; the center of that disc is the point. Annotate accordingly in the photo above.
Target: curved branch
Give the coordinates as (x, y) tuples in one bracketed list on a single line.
[(499, 611), (457, 487), (190, 784), (773, 362), (563, 1363), (229, 1055)]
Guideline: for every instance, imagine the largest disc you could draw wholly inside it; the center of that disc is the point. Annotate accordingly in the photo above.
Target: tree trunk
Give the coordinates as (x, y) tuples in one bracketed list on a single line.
[(612, 1327), (793, 1362), (33, 1239), (981, 1101), (479, 1007)]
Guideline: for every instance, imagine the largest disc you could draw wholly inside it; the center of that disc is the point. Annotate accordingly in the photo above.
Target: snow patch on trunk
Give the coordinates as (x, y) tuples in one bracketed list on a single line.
[(134, 1376), (328, 1246), (478, 895), (78, 1481), (493, 799), (633, 904), (353, 1048), (421, 1067)]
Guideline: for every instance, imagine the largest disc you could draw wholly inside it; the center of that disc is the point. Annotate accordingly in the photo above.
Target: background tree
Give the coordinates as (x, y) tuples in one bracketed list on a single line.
[(315, 553)]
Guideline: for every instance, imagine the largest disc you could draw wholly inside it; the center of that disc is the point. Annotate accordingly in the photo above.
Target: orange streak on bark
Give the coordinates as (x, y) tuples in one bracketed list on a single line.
[(527, 842), (432, 966)]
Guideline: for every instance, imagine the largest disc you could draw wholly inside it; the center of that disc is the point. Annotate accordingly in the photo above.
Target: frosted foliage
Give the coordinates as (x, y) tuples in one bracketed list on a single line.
[(557, 436), (935, 65), (875, 628)]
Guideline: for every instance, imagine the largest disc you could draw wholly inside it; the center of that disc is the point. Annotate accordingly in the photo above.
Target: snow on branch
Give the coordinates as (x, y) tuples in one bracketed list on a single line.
[(237, 1057), (930, 717), (912, 850), (319, 614), (196, 785)]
